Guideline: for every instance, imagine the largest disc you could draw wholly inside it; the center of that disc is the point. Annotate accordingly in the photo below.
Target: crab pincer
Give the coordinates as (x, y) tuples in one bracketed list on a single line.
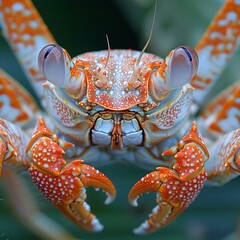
[(175, 188), (63, 184)]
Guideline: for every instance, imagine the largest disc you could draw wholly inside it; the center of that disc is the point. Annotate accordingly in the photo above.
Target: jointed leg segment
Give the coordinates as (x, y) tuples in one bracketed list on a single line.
[(216, 48), (13, 143), (224, 163)]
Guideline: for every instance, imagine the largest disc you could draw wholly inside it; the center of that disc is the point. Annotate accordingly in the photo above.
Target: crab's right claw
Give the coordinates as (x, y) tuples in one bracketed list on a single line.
[(175, 188), (64, 185), (67, 189)]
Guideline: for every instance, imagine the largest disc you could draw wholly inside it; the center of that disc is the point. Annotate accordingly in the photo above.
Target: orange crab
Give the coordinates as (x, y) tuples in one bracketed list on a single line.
[(119, 106)]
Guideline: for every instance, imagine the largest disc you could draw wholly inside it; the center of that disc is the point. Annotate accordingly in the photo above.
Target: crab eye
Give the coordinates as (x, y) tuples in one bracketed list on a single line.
[(175, 71), (183, 64), (53, 64), (57, 67)]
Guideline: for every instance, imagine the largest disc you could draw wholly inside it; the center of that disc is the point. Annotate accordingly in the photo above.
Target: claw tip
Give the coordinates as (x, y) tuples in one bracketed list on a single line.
[(142, 229), (97, 226), (134, 202), (109, 199)]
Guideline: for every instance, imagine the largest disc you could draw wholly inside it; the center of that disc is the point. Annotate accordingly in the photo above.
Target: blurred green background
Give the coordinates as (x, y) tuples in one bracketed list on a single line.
[(81, 26)]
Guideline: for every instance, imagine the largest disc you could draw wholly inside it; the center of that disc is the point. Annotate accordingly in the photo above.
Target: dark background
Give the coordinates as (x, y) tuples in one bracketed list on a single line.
[(81, 26)]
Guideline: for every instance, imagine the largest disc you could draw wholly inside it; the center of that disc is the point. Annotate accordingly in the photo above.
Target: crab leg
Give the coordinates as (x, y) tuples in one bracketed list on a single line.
[(12, 145), (16, 104), (216, 48), (25, 30), (176, 188), (224, 163), (64, 184), (222, 115)]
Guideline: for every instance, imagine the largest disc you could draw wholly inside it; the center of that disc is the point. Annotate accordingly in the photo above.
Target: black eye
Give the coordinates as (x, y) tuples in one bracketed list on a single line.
[(48, 50), (188, 53)]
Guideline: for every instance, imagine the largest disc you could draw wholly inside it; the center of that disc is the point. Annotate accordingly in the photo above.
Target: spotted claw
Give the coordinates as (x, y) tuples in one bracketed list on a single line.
[(64, 184), (175, 188)]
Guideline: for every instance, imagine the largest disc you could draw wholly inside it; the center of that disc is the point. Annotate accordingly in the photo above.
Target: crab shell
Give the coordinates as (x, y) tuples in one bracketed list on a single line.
[(118, 92)]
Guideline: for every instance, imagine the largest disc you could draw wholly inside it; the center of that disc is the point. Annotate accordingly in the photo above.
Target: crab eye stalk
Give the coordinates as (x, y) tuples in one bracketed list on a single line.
[(57, 67), (183, 64), (54, 64), (177, 69)]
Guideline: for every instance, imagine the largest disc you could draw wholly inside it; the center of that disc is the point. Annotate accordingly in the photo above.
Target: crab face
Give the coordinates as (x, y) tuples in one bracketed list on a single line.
[(118, 80), (117, 84)]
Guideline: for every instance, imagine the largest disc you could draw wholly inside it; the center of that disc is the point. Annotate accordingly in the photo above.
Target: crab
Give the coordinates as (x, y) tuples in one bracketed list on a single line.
[(117, 106)]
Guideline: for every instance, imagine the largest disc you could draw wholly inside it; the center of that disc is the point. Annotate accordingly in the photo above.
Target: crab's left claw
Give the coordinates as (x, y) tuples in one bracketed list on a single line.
[(175, 188), (64, 184)]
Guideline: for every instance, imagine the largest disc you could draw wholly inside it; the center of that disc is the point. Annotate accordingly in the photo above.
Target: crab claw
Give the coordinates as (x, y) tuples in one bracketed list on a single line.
[(175, 188), (64, 184)]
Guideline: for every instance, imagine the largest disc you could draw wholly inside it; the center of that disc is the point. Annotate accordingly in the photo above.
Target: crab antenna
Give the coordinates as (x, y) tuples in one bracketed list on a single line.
[(109, 50), (150, 35)]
